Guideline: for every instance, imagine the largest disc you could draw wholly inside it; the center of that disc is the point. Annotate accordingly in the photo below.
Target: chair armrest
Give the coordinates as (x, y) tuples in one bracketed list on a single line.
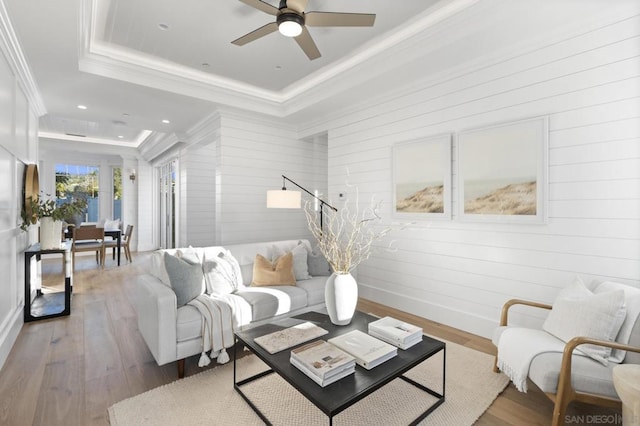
[(512, 302), (580, 340)]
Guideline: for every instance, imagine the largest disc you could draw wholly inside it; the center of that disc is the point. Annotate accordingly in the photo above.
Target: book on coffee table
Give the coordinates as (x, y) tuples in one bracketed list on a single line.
[(322, 362), (368, 351), (395, 332), (289, 337)]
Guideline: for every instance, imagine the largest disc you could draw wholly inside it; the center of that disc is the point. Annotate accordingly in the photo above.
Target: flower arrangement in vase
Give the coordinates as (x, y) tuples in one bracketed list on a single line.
[(345, 240), (50, 215)]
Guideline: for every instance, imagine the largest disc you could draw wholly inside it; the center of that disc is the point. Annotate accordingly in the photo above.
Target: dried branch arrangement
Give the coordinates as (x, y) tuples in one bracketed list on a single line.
[(348, 236)]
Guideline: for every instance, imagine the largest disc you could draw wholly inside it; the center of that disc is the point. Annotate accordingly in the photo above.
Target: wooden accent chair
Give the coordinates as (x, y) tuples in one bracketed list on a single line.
[(566, 377), (88, 238), (125, 243)]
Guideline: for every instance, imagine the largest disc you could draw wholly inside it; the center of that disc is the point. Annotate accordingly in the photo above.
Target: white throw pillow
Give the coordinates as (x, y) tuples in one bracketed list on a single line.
[(222, 274), (632, 303), (579, 312), (300, 267), (111, 224)]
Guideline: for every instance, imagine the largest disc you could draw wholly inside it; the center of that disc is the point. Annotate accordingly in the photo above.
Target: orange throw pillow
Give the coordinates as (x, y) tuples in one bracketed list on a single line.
[(280, 272)]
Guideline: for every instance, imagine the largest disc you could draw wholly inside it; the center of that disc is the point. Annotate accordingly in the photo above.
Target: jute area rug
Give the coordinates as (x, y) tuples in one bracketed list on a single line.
[(208, 398)]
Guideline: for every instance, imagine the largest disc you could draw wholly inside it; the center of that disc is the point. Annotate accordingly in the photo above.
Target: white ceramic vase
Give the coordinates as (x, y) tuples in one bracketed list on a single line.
[(50, 233), (341, 298)]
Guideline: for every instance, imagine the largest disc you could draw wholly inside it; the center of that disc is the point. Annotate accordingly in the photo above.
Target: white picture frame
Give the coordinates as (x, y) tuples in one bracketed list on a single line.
[(502, 172), (422, 178)]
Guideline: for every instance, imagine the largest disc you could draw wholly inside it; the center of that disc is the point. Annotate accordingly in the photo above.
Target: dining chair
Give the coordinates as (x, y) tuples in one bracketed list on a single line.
[(125, 243), (88, 238)]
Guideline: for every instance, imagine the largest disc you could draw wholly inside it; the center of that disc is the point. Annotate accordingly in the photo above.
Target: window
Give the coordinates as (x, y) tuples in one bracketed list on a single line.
[(78, 181), (117, 192)]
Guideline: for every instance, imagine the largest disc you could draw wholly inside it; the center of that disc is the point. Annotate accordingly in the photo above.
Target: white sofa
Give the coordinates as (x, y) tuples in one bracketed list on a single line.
[(173, 334)]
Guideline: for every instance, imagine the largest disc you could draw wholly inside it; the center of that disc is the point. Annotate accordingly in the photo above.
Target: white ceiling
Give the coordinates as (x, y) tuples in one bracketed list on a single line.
[(112, 56), (133, 81)]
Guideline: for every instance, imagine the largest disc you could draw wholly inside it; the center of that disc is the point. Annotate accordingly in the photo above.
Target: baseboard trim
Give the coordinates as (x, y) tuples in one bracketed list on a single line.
[(465, 321), (9, 334)]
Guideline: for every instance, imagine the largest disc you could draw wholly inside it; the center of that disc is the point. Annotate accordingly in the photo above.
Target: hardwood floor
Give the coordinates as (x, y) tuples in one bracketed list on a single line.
[(69, 370)]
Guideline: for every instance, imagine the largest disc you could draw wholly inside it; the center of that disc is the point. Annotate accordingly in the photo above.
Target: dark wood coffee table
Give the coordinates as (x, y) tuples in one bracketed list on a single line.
[(340, 395)]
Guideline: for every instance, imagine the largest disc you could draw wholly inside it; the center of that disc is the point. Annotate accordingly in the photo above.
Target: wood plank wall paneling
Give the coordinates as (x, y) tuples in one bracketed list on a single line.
[(461, 273), (198, 210), (251, 156)]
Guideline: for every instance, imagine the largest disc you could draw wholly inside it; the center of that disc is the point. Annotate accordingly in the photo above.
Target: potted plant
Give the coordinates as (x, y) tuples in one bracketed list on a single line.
[(345, 240), (50, 215)]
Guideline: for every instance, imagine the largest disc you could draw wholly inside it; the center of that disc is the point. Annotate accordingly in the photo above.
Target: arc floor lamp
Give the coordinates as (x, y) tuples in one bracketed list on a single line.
[(284, 199)]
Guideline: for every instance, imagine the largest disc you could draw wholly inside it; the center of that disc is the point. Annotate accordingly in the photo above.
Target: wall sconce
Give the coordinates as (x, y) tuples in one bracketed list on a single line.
[(132, 176)]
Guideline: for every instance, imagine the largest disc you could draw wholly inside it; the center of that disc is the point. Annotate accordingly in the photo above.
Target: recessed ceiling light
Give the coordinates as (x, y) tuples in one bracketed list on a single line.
[(82, 107), (163, 27), (166, 121), (120, 136)]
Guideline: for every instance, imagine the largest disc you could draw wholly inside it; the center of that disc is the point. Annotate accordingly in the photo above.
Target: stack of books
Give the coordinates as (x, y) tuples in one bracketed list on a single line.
[(396, 332), (322, 362), (368, 351)]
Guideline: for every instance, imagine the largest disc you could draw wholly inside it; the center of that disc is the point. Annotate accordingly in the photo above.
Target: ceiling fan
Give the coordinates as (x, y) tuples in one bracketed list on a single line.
[(292, 21)]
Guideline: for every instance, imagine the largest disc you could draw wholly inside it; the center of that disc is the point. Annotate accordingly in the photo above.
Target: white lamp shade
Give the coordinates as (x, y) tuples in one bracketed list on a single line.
[(284, 199)]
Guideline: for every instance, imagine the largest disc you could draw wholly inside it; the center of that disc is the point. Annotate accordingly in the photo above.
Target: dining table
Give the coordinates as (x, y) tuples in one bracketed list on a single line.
[(115, 233)]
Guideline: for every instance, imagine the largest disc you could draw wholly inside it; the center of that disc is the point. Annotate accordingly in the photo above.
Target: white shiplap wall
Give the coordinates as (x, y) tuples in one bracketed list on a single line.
[(460, 273), (230, 169), (19, 110), (254, 154)]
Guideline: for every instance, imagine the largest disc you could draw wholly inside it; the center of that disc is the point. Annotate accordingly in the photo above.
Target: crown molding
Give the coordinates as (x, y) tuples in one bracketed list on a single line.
[(18, 63), (120, 63)]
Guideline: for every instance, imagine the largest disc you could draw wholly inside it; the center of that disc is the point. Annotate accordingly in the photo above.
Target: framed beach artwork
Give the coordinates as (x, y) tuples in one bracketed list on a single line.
[(502, 172), (422, 178)]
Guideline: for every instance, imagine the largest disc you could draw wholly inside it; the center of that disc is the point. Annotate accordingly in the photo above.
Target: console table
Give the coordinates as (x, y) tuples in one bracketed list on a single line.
[(47, 305)]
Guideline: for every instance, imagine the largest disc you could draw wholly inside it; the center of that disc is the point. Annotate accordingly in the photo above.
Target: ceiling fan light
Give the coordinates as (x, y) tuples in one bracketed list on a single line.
[(290, 29), (290, 24)]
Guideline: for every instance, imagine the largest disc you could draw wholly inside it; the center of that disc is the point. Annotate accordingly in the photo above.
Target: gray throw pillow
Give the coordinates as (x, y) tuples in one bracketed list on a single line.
[(318, 265), (186, 278)]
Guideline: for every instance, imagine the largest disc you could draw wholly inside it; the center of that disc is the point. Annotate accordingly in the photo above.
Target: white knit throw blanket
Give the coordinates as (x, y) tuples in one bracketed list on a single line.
[(217, 327), (518, 347)]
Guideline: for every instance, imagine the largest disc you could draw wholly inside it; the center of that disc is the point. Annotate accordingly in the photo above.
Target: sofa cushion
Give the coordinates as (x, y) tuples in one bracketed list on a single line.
[(188, 323), (314, 288), (269, 301), (279, 272), (185, 275), (579, 312), (300, 267)]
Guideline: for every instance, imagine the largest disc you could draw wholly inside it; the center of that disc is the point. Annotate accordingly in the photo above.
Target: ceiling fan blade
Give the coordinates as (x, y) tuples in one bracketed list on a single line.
[(260, 5), (256, 34), (297, 5), (307, 44), (335, 19)]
